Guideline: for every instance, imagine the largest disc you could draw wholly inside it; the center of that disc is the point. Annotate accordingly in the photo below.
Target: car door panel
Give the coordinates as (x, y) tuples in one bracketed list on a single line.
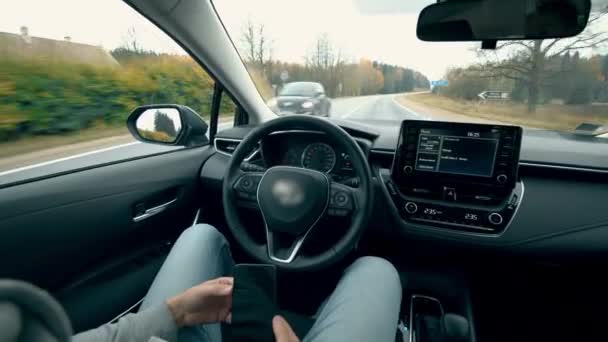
[(75, 236), (111, 288)]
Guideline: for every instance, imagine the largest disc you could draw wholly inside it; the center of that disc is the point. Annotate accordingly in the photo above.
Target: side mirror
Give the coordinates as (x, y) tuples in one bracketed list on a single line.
[(319, 93), (168, 124)]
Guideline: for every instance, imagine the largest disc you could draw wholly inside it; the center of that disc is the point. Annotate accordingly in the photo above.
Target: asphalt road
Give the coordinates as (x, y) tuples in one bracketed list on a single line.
[(373, 107), (62, 159)]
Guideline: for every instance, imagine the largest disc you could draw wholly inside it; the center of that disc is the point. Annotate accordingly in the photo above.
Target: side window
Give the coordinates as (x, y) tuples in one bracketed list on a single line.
[(227, 112), (68, 83)]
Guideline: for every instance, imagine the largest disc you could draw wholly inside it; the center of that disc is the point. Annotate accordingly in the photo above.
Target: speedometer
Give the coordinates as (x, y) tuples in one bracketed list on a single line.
[(319, 156)]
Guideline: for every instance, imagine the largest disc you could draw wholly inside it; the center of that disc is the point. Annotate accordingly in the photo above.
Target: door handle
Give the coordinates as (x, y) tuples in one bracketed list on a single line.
[(153, 211)]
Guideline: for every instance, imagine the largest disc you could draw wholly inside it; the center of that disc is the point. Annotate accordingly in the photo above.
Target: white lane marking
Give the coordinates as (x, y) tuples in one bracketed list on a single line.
[(67, 158), (407, 109), (221, 126)]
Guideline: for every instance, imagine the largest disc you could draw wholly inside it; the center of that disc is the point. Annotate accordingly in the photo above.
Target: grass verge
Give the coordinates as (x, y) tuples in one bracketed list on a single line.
[(38, 143), (549, 116)]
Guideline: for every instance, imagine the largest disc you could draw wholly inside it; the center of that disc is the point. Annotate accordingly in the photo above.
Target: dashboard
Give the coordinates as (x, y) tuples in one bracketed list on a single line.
[(310, 150), (549, 205)]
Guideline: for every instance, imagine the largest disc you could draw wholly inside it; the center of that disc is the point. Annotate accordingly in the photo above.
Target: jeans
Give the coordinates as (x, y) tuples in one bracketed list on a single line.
[(363, 307)]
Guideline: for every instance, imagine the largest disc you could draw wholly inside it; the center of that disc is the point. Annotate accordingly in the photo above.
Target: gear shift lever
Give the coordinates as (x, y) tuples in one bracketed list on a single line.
[(454, 328)]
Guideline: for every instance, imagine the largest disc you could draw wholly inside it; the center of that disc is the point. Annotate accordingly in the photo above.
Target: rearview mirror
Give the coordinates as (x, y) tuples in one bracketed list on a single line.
[(168, 125), (474, 20)]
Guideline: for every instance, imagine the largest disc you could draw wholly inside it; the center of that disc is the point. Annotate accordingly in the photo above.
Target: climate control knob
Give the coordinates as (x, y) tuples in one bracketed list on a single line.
[(411, 207), (408, 169), (502, 178), (495, 218)]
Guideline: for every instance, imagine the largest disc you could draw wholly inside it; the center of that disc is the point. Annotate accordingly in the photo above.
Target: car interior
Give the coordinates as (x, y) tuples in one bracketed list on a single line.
[(496, 237)]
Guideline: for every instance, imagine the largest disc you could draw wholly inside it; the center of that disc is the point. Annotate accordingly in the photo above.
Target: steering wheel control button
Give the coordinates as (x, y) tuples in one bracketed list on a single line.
[(246, 183), (408, 169), (449, 194), (495, 219), (341, 199), (502, 178), (411, 207)]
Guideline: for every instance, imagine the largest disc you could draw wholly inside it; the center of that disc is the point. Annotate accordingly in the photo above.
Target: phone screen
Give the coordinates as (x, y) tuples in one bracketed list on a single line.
[(253, 303)]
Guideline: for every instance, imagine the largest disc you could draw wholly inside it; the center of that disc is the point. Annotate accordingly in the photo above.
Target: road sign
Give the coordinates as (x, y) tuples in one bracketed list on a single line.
[(494, 95), (440, 83), (284, 75)]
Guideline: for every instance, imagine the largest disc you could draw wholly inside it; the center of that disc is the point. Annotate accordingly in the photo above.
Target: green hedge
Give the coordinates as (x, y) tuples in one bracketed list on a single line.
[(42, 98)]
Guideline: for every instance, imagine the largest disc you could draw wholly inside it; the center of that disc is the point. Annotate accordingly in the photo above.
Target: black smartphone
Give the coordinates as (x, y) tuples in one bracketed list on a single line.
[(254, 303)]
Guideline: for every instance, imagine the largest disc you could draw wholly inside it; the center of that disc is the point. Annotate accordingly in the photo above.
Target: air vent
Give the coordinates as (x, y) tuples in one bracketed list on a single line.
[(382, 158), (226, 146)]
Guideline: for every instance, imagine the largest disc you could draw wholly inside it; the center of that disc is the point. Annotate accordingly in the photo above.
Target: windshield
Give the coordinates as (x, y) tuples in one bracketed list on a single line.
[(372, 67), (299, 89)]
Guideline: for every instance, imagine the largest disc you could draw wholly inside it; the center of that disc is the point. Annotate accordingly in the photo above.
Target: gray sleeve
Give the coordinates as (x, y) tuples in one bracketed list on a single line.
[(140, 327)]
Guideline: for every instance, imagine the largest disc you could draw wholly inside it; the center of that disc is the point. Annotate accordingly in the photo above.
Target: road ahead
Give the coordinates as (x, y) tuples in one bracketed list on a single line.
[(373, 107), (41, 163)]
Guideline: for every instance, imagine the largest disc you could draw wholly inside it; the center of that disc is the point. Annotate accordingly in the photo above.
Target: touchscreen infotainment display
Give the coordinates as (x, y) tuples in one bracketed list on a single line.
[(431, 153), (464, 152)]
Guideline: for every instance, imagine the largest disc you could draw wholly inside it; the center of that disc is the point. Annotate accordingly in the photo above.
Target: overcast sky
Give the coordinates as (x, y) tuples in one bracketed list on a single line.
[(97, 22), (381, 30)]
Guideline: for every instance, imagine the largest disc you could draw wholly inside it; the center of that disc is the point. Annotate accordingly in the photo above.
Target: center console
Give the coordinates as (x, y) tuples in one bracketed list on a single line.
[(457, 176)]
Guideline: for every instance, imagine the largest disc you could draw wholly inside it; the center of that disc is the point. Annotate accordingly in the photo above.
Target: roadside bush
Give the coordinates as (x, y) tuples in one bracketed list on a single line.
[(464, 84), (580, 94), (260, 81), (38, 97)]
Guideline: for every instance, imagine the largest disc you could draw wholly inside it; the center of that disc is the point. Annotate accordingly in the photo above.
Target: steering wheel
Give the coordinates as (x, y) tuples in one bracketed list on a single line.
[(293, 200)]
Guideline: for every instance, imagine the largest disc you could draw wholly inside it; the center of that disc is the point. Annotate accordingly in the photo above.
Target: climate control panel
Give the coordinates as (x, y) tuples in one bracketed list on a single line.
[(467, 217)]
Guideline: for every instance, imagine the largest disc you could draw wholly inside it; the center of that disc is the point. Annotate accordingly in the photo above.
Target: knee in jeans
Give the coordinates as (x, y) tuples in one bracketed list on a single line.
[(203, 232), (379, 269)]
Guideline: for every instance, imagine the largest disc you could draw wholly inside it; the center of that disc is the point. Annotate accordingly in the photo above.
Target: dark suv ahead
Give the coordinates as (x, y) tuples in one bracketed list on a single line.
[(301, 98)]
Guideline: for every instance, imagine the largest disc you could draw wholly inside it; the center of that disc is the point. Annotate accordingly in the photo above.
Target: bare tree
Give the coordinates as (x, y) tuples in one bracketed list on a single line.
[(256, 46), (264, 49), (326, 63), (323, 54), (130, 41), (527, 62), (248, 40)]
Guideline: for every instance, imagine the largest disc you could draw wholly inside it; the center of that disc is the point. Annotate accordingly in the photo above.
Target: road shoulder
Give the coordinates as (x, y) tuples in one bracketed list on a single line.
[(438, 114)]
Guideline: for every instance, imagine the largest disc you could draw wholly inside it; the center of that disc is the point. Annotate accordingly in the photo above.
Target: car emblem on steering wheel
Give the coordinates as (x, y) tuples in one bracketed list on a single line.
[(288, 193)]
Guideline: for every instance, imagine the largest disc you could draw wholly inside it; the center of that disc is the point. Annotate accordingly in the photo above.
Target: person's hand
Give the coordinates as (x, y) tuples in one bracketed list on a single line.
[(209, 302), (282, 330)]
